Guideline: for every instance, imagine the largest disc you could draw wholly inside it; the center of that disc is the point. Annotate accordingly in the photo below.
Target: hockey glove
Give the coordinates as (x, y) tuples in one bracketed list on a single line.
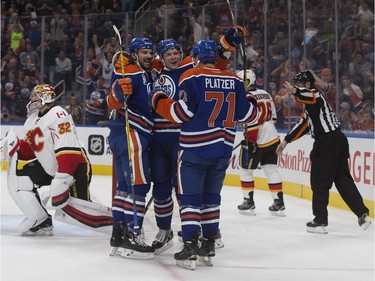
[(122, 88), (252, 99), (60, 191), (154, 96), (120, 60), (247, 153), (232, 38)]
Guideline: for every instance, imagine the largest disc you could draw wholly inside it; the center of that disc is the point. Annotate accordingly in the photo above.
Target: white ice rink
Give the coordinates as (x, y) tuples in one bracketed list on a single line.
[(259, 248)]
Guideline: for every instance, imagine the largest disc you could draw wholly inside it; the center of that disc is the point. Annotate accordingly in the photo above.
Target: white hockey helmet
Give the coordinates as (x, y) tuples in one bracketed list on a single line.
[(39, 96), (250, 76)]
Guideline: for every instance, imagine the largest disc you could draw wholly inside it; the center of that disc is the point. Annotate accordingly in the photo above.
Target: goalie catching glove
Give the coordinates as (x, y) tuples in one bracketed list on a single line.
[(60, 189), (122, 88), (232, 38)]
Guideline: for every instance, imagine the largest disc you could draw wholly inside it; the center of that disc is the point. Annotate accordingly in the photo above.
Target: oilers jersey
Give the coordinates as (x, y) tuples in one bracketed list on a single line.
[(167, 81), (52, 138), (139, 112), (211, 102)]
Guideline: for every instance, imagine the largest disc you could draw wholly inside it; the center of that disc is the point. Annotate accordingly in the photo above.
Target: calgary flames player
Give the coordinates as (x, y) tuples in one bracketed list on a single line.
[(54, 157)]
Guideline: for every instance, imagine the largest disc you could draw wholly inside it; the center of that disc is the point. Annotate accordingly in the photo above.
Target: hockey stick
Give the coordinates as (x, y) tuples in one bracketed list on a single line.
[(127, 129), (243, 54), (149, 204)]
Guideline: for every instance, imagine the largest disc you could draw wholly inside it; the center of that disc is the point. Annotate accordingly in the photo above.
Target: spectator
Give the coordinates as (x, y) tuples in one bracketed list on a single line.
[(10, 88), (358, 67), (50, 52), (325, 86), (66, 44), (352, 93), (77, 115), (346, 116), (16, 34), (63, 69), (366, 122), (73, 102), (31, 53), (151, 30), (199, 30), (167, 13), (57, 26), (95, 105), (34, 34)]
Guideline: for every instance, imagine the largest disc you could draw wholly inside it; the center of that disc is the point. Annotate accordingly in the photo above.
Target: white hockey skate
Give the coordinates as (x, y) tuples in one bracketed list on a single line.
[(44, 228)]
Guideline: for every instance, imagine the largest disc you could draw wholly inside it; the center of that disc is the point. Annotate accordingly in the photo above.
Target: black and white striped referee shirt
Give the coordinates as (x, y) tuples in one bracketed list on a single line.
[(318, 117)]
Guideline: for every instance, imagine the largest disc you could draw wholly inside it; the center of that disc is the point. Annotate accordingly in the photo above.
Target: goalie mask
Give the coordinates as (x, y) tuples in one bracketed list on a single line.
[(39, 96)]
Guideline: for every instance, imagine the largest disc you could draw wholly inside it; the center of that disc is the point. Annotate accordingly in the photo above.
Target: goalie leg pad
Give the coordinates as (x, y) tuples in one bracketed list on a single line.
[(22, 191), (60, 189), (86, 214)]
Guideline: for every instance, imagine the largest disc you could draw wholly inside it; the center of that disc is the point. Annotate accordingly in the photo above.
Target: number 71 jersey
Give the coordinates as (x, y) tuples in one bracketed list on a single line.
[(267, 133)]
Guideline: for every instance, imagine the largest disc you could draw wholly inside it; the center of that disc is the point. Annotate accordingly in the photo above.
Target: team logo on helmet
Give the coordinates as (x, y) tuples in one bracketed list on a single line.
[(140, 43), (205, 51), (39, 96)]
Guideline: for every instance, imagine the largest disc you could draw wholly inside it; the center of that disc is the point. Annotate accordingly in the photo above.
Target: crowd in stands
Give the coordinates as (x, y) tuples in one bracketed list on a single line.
[(63, 45)]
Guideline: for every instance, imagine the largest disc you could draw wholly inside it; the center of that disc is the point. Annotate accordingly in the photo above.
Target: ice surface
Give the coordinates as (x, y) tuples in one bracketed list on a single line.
[(257, 248)]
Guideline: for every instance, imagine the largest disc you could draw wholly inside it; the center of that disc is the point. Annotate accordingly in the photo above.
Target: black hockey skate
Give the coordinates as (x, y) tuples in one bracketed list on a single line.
[(163, 241), (188, 255), (116, 238), (364, 221), (278, 207), (44, 228), (206, 251), (134, 247), (247, 207), (315, 227), (218, 242)]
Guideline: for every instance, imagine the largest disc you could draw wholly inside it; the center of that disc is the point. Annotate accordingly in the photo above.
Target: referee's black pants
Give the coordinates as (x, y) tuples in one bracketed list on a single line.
[(329, 164)]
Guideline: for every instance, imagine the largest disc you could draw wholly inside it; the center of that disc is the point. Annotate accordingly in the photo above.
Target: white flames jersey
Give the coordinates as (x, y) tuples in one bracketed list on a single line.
[(267, 133), (51, 136)]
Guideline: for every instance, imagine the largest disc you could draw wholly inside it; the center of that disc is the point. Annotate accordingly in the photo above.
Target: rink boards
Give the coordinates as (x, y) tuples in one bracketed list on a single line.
[(294, 165)]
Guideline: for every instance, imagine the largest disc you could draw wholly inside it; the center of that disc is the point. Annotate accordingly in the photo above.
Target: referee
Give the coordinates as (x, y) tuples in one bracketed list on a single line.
[(329, 155)]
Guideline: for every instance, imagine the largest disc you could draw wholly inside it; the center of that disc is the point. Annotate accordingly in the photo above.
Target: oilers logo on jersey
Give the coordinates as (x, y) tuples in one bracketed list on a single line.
[(165, 84)]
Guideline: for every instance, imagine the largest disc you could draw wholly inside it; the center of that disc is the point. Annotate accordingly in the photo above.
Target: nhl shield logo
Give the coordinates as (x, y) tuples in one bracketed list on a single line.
[(96, 145)]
